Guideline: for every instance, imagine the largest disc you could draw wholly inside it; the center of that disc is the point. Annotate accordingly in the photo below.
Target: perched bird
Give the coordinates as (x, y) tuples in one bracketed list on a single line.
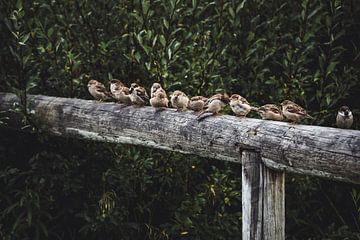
[(214, 105), (240, 106), (138, 95), (197, 103), (159, 99), (98, 90), (119, 91), (294, 112), (179, 100), (271, 112), (154, 88), (344, 118)]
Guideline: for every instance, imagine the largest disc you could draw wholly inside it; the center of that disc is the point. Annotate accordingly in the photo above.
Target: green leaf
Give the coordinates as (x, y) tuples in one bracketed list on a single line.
[(331, 67), (240, 6), (169, 53), (145, 6), (137, 17), (177, 46), (137, 57), (162, 40), (231, 12), (166, 23), (250, 37), (50, 32), (25, 38)]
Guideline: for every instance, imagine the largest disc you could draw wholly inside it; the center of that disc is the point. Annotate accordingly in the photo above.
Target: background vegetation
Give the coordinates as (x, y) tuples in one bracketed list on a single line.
[(307, 51)]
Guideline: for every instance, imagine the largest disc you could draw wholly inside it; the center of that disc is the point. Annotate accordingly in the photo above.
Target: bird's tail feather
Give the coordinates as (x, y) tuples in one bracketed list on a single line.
[(204, 115), (254, 108), (310, 117)]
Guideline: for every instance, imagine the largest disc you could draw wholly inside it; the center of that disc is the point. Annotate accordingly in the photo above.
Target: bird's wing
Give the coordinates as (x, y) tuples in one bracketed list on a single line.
[(273, 108), (243, 100), (294, 108), (141, 92), (101, 88), (125, 90)]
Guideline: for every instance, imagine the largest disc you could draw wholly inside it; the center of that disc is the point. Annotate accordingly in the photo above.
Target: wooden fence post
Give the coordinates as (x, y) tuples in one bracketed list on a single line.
[(263, 200)]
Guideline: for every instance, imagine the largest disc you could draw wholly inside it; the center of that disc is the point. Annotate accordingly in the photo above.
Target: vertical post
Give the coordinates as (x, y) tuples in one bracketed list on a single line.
[(274, 204), (252, 184), (263, 200)]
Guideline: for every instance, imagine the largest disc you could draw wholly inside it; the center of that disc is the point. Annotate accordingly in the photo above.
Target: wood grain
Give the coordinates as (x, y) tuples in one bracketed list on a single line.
[(311, 150), (263, 200)]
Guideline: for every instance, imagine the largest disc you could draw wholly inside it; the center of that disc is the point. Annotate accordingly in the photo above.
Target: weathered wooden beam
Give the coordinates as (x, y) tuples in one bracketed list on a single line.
[(263, 200), (252, 198), (273, 204), (312, 150)]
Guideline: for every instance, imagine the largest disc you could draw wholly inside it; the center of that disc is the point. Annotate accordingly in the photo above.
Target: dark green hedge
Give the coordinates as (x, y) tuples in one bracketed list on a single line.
[(307, 51)]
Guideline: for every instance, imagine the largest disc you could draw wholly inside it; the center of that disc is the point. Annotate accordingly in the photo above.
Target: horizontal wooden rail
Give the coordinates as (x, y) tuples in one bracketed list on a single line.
[(266, 149), (312, 150)]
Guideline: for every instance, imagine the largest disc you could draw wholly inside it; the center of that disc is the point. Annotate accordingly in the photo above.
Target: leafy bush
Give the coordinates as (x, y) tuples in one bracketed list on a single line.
[(267, 51)]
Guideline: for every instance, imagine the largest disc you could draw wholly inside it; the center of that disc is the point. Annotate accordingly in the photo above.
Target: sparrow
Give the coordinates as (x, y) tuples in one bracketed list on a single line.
[(179, 100), (240, 106), (214, 105), (138, 95), (270, 112), (344, 118), (98, 90), (119, 91), (294, 112), (197, 103), (154, 88), (159, 99)]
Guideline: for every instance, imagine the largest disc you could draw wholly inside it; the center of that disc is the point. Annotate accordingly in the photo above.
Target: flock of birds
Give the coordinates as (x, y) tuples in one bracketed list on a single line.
[(137, 95)]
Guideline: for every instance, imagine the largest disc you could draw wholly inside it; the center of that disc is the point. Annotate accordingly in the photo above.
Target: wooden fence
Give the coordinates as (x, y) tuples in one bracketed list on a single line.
[(266, 149)]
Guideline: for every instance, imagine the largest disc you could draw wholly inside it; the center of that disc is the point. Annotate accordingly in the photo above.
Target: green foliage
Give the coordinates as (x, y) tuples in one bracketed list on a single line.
[(307, 51), (116, 192)]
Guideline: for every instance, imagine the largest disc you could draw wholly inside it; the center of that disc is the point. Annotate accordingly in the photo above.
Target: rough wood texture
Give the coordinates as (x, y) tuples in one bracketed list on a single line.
[(263, 200), (252, 196), (319, 151), (273, 204)]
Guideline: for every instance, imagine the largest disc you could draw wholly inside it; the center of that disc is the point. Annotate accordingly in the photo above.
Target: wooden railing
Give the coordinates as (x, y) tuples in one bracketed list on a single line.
[(266, 149)]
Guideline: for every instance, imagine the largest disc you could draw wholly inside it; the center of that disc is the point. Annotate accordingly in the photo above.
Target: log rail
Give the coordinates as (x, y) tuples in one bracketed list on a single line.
[(266, 149)]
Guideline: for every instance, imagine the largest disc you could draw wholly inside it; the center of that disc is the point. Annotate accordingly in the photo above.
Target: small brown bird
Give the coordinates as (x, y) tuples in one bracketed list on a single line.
[(154, 88), (240, 106), (179, 100), (294, 112), (270, 112), (197, 103), (98, 90), (138, 95), (214, 105), (344, 118), (120, 92), (159, 99)]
